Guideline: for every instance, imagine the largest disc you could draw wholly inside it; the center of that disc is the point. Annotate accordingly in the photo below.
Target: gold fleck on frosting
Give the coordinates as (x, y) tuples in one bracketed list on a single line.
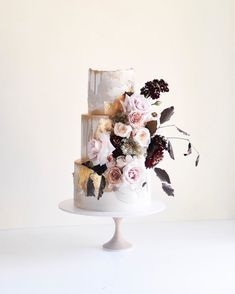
[(84, 173)]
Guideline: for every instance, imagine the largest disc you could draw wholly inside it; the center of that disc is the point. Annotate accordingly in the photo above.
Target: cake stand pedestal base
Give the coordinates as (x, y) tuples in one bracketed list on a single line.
[(117, 242)]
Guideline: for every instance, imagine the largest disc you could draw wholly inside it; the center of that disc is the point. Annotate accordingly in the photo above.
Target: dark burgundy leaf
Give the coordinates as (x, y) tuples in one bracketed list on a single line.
[(144, 184), (129, 93), (166, 114), (99, 169), (90, 187), (183, 132), (168, 189), (101, 188), (170, 150), (116, 140), (88, 164), (189, 151), (162, 174), (117, 152), (151, 126), (197, 160)]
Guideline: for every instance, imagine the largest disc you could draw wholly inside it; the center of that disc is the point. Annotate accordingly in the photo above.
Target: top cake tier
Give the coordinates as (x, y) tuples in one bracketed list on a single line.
[(105, 86)]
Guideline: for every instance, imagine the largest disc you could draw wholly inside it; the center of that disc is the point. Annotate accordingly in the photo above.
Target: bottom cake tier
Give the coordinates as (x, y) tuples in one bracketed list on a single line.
[(123, 200)]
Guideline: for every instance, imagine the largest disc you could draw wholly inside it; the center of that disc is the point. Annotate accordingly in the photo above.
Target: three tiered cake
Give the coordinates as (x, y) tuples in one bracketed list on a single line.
[(105, 180), (120, 143)]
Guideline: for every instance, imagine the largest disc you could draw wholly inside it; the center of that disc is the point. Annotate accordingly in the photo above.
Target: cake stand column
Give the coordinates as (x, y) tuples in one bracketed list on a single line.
[(117, 242)]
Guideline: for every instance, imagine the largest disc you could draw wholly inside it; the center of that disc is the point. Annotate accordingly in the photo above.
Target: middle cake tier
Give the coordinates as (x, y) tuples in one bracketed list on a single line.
[(92, 126)]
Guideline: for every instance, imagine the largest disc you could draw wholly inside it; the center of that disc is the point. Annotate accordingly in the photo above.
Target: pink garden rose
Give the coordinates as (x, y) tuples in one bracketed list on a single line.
[(137, 103), (122, 130), (93, 149), (142, 137), (114, 175), (99, 150), (133, 172), (136, 119)]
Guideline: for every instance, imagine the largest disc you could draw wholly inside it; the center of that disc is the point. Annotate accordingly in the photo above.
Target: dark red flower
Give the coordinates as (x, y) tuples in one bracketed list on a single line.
[(155, 151)]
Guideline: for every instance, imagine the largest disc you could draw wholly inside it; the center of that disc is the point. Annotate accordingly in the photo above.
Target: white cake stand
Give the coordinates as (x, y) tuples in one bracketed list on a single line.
[(117, 242)]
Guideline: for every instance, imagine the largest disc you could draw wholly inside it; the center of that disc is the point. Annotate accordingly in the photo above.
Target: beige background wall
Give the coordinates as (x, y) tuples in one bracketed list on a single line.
[(46, 48)]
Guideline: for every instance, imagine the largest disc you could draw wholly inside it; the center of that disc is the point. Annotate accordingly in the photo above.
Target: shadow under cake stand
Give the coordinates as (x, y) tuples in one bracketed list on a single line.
[(117, 242)]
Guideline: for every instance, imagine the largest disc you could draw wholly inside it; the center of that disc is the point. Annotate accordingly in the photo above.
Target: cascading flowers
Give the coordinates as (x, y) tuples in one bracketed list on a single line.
[(129, 141)]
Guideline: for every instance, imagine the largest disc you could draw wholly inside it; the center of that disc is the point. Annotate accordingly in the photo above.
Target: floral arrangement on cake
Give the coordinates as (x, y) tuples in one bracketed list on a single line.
[(128, 142)]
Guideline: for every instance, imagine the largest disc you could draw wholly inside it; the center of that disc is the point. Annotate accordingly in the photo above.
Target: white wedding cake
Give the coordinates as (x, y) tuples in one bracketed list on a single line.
[(121, 143), (121, 184)]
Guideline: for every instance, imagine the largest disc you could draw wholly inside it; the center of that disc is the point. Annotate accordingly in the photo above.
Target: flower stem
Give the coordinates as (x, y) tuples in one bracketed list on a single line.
[(166, 126), (185, 139), (178, 129)]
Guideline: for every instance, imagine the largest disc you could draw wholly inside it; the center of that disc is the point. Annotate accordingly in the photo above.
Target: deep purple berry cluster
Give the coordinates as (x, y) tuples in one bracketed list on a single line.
[(154, 88)]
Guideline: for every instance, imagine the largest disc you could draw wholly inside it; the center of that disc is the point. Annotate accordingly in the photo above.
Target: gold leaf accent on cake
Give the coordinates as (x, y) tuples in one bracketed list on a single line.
[(130, 89), (96, 181), (121, 97), (84, 173), (113, 107)]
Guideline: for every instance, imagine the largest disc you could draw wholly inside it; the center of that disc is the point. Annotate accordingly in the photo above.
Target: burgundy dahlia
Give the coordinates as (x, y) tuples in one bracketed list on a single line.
[(155, 151), (155, 159)]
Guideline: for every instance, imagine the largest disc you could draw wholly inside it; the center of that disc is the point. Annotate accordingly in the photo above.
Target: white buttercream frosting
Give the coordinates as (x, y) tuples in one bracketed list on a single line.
[(121, 200), (103, 88)]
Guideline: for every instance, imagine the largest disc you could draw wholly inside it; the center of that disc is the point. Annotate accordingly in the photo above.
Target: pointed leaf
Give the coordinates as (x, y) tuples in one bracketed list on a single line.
[(99, 169), (151, 126), (129, 93), (88, 164), (166, 114), (101, 188), (90, 187), (170, 150), (157, 103), (189, 151), (162, 174), (168, 189), (197, 160), (183, 132)]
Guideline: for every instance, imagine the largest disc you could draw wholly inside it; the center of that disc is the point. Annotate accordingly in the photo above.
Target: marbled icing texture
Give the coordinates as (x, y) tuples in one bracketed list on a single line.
[(105, 86), (124, 200)]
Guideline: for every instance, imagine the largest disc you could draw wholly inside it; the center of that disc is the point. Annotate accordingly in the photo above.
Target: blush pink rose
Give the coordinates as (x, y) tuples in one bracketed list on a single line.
[(132, 173), (93, 147), (142, 137), (99, 150), (136, 119), (114, 175), (122, 130), (137, 103)]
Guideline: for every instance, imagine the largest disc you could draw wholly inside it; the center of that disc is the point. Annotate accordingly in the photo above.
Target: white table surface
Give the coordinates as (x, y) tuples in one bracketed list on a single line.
[(170, 257)]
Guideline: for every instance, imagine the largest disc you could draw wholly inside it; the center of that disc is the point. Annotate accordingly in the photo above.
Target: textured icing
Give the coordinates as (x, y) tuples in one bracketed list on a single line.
[(105, 86), (125, 200)]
